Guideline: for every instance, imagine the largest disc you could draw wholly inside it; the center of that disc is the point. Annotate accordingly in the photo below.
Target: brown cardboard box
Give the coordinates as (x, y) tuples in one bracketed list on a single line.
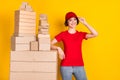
[(33, 66), (24, 31), (43, 36), (44, 47), (25, 24), (24, 34), (25, 20), (25, 40), (28, 8), (43, 17), (34, 45), (32, 76), (23, 6), (34, 56), (45, 33), (18, 28), (20, 47), (22, 12), (43, 21), (25, 16), (44, 40)]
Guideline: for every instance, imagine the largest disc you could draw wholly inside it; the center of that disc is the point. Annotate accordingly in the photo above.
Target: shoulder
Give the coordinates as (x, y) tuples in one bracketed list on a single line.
[(60, 36), (81, 32), (63, 32)]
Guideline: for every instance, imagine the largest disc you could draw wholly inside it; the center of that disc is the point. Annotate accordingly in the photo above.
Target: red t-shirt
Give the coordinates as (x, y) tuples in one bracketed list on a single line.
[(72, 47)]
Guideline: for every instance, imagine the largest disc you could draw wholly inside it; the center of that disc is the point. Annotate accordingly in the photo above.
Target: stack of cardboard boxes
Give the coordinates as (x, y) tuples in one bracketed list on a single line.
[(43, 36), (24, 29), (31, 59)]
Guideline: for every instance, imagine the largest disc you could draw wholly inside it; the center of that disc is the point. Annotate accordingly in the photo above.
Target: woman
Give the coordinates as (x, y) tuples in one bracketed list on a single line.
[(72, 62)]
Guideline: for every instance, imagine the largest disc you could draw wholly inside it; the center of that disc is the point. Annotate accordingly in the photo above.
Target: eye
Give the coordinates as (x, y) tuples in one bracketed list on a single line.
[(70, 19), (75, 19)]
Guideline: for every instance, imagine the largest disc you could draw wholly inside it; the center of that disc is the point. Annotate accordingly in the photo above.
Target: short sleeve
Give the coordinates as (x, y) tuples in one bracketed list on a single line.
[(59, 37), (84, 35)]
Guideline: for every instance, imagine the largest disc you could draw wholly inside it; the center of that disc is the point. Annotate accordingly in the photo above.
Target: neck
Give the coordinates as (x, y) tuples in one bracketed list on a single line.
[(71, 30)]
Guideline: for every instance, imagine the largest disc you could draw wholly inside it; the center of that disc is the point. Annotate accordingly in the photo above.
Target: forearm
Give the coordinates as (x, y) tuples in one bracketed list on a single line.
[(53, 47), (93, 32), (60, 51), (91, 29)]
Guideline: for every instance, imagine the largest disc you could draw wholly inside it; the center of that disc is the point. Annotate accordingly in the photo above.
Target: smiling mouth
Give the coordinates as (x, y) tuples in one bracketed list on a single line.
[(73, 24)]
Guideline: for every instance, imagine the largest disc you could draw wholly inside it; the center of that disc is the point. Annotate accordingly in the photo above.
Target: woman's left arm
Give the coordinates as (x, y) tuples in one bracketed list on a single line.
[(93, 32)]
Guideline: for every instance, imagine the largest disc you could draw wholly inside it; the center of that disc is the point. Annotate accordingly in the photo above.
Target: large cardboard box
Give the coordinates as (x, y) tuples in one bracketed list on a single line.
[(20, 47), (44, 41), (44, 47), (16, 39), (26, 13), (33, 65), (25, 20), (21, 43), (34, 56), (25, 24), (32, 76)]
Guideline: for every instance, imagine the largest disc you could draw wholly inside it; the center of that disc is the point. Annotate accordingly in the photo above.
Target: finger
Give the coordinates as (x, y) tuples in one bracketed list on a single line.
[(60, 57), (79, 17), (63, 56)]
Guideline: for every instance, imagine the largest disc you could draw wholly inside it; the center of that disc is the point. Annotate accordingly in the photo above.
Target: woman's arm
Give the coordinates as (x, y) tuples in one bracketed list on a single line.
[(60, 51), (91, 29)]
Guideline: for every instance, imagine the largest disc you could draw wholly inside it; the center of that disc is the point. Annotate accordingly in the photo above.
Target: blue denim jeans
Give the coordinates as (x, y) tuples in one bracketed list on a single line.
[(77, 71)]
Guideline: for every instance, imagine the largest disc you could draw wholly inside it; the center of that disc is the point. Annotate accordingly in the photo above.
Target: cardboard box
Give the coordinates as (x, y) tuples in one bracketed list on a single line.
[(45, 33), (44, 47), (17, 28), (20, 47), (33, 66), (23, 6), (25, 20), (24, 31), (34, 45), (43, 36), (23, 16), (28, 8), (43, 17), (34, 56), (22, 12), (24, 34), (44, 40), (43, 22), (25, 40), (44, 25), (44, 30), (32, 76), (25, 24)]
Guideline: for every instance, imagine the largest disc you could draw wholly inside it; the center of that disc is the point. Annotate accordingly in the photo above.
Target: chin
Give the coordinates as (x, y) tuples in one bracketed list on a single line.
[(72, 26)]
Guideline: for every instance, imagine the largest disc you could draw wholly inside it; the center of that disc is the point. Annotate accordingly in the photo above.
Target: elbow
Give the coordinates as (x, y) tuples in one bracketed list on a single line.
[(96, 34)]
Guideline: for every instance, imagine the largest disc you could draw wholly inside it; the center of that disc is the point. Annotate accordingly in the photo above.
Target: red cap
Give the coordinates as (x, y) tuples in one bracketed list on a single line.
[(69, 15)]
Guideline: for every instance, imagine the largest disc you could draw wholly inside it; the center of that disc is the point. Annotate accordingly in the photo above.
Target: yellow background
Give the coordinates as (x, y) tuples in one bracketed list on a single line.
[(101, 54)]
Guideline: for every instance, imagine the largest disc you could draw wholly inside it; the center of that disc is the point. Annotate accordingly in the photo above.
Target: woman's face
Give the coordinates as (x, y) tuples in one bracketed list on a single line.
[(72, 22)]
